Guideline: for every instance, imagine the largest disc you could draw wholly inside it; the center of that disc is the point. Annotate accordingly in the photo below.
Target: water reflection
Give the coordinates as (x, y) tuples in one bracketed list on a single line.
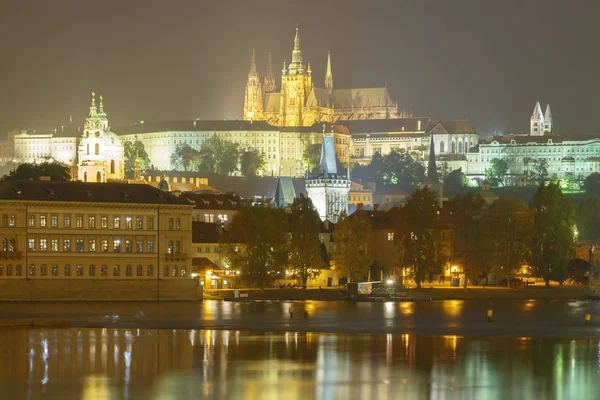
[(196, 364)]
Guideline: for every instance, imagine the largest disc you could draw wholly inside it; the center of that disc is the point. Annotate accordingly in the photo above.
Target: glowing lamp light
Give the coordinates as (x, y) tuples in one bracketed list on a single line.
[(224, 282), (389, 281)]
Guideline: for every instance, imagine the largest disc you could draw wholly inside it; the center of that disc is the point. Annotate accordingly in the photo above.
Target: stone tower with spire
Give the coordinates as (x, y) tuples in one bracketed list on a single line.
[(296, 84), (548, 123), (536, 127), (328, 75), (432, 181), (253, 101), (269, 86)]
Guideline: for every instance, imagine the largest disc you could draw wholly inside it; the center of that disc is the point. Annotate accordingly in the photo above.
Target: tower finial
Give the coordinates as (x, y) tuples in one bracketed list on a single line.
[(93, 110), (329, 75), (296, 67), (93, 98), (253, 63)]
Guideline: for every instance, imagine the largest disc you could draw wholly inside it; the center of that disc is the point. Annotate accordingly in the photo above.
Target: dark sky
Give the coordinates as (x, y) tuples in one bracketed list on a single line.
[(485, 60)]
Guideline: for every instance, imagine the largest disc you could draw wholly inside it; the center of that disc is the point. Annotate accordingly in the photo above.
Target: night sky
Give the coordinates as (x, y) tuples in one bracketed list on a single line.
[(488, 61)]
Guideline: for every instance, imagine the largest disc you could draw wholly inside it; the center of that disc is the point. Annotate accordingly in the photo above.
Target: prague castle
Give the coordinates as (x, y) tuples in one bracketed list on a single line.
[(301, 103)]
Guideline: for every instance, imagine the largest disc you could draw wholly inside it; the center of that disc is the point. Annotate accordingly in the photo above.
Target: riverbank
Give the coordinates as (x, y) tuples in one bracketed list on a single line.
[(577, 292)]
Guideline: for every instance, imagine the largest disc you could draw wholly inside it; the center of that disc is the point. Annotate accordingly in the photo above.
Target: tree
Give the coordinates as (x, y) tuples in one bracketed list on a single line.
[(252, 162), (133, 150), (511, 224), (54, 170), (571, 182), (304, 245), (471, 235), (455, 181), (351, 254), (395, 168), (554, 237), (497, 174), (539, 174), (256, 244), (588, 219), (418, 236), (218, 156), (184, 156), (591, 184), (311, 156)]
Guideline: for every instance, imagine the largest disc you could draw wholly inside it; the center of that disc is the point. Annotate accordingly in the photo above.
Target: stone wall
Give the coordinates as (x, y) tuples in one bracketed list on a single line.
[(99, 290)]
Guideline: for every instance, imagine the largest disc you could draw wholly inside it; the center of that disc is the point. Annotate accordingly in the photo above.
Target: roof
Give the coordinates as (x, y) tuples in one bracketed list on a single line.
[(285, 193), (214, 201), (387, 125), (195, 125), (361, 98), (451, 127), (204, 232), (526, 138), (111, 192), (318, 97), (272, 102), (202, 264)]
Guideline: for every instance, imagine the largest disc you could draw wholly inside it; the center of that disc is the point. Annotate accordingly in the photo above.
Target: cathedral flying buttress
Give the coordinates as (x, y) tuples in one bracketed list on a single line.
[(301, 103)]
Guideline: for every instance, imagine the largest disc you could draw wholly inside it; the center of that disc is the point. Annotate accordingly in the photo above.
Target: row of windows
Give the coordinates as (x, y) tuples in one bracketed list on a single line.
[(118, 245), (44, 221), (66, 270), (211, 218), (207, 249)]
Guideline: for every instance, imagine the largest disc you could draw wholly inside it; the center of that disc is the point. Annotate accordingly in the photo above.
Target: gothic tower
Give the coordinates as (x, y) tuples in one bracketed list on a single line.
[(432, 181), (253, 101), (269, 86), (329, 76), (296, 83), (548, 123), (536, 127)]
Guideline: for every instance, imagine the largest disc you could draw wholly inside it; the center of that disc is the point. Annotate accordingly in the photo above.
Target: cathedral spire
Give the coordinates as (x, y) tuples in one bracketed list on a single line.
[(269, 86), (253, 64), (432, 176), (329, 75), (93, 110), (296, 67), (548, 122)]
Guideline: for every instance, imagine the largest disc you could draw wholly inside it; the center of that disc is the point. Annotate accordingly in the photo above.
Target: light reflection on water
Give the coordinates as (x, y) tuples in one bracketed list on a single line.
[(196, 364)]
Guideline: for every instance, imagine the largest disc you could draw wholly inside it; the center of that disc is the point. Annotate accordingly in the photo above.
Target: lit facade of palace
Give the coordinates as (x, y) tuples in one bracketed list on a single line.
[(301, 103), (74, 237)]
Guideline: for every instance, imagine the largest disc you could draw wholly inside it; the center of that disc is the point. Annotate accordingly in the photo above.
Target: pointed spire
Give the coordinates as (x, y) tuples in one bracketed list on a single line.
[(537, 110), (548, 113), (269, 78), (432, 175), (253, 64), (296, 67), (93, 111), (329, 75), (548, 121)]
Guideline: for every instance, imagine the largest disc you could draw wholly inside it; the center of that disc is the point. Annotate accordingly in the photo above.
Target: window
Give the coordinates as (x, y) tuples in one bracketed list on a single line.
[(207, 249), (31, 221), (174, 270), (138, 270), (116, 271), (150, 270), (166, 271), (97, 151), (9, 270), (150, 245), (11, 220), (117, 222), (209, 218), (104, 222), (4, 220), (128, 270), (31, 270), (128, 246), (170, 224), (183, 271), (177, 224), (4, 244), (43, 244), (177, 247), (112, 166), (104, 245), (54, 221), (92, 245), (117, 245), (139, 222), (92, 270), (67, 245), (128, 222), (199, 249), (42, 270), (390, 235), (31, 245), (139, 246), (170, 247), (67, 270), (216, 250), (42, 221), (67, 221), (18, 270), (150, 223), (92, 222), (54, 270), (79, 245), (104, 270), (223, 217), (79, 270), (79, 221)]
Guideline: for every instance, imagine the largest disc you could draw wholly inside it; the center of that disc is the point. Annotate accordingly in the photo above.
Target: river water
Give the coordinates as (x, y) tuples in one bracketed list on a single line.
[(124, 361)]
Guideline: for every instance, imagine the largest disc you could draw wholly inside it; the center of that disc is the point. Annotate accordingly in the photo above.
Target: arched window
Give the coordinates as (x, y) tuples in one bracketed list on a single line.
[(12, 220), (453, 147), (170, 224), (166, 272), (4, 244), (97, 149), (98, 177), (79, 270), (460, 147), (174, 270), (11, 245), (54, 270), (177, 224), (177, 247), (104, 270), (138, 270), (128, 270), (183, 271), (170, 247), (67, 270), (42, 270), (92, 270), (1, 269), (150, 270), (9, 270), (88, 148), (18, 270), (442, 149), (112, 166), (116, 270), (85, 176), (31, 270)]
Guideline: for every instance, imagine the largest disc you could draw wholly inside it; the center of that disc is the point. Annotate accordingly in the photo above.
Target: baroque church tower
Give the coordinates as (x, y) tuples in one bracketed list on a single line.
[(253, 102), (296, 85), (100, 152)]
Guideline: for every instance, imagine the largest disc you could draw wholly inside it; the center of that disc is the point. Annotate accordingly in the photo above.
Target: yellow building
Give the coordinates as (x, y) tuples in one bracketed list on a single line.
[(75, 240)]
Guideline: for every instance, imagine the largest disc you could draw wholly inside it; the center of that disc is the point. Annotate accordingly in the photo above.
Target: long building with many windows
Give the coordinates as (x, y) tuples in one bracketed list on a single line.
[(94, 241)]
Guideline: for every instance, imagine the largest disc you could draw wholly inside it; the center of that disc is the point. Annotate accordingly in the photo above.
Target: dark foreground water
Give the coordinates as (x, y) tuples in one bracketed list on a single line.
[(84, 363)]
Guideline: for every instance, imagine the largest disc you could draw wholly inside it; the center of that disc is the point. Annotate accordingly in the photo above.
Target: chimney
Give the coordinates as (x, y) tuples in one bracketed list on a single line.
[(419, 125), (376, 207)]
